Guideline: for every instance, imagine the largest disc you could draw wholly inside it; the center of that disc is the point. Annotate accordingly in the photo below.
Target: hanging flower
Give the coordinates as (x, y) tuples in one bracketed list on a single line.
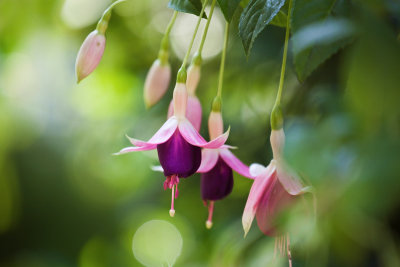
[(178, 145), (274, 188), (216, 168)]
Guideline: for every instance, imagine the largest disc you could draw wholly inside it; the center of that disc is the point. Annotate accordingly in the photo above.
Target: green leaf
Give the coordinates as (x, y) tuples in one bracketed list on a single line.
[(313, 18), (280, 19), (228, 8), (256, 16), (187, 6)]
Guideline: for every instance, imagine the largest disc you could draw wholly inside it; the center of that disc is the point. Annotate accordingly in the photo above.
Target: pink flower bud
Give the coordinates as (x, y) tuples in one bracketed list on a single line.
[(89, 54), (215, 124), (193, 111), (277, 139), (193, 78), (157, 82)]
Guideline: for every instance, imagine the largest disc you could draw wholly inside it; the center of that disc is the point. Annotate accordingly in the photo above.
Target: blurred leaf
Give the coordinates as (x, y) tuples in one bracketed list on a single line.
[(310, 12), (187, 6), (228, 8), (280, 19), (256, 16), (328, 32)]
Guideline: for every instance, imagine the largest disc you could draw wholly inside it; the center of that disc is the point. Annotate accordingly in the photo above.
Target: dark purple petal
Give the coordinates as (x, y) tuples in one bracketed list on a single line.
[(273, 202), (178, 156), (218, 182)]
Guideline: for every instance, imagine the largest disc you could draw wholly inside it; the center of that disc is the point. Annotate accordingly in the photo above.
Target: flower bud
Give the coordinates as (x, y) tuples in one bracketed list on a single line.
[(277, 139), (157, 82), (215, 125), (89, 54), (193, 78), (193, 112)]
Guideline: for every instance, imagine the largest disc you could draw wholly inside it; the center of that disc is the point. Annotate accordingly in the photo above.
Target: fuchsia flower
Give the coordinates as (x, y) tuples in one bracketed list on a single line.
[(216, 168), (90, 54), (178, 145), (274, 188)]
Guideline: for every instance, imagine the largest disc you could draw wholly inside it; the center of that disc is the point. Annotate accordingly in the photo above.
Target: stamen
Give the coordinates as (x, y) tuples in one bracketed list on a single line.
[(210, 214), (172, 210), (289, 254)]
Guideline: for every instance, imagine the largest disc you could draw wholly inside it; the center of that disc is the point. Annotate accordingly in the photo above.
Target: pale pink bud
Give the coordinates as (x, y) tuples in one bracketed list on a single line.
[(193, 111), (193, 78), (215, 124), (277, 139), (180, 100), (89, 54), (157, 82)]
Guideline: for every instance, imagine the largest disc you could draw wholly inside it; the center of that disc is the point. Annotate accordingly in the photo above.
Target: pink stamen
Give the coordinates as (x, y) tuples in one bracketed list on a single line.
[(210, 214), (289, 254), (171, 182)]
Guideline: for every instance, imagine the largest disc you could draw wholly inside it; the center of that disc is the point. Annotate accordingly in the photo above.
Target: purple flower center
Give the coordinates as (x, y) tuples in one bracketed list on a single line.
[(218, 182), (178, 157)]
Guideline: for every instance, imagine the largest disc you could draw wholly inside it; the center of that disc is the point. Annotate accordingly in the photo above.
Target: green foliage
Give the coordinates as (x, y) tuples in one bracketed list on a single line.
[(315, 14), (187, 6), (255, 17), (228, 8)]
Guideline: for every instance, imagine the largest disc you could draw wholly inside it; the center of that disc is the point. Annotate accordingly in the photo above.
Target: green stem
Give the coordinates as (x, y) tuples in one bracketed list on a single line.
[(105, 18), (203, 39), (223, 57), (276, 114), (165, 40), (194, 36)]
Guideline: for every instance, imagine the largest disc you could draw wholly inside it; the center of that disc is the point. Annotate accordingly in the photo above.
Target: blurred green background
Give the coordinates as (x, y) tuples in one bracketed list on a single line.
[(66, 201)]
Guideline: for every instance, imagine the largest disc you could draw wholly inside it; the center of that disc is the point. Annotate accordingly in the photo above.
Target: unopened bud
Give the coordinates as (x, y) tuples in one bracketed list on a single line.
[(89, 54), (157, 83), (193, 112), (193, 78), (215, 125)]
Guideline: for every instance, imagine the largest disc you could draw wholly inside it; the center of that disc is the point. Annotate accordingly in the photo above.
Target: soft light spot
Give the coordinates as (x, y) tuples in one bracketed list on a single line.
[(157, 243), (82, 13)]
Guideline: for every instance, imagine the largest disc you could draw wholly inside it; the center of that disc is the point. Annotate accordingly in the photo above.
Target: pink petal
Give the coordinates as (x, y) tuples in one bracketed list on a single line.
[(209, 158), (193, 137), (258, 189), (289, 179), (134, 149), (235, 163), (273, 202)]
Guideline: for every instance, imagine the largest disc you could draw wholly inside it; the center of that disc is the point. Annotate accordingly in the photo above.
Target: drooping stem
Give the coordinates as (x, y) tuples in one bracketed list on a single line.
[(165, 40), (276, 114), (285, 49), (105, 18), (203, 38), (223, 57), (183, 67)]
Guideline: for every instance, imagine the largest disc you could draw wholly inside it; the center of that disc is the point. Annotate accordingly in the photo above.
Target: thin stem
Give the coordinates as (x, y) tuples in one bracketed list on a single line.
[(165, 40), (103, 22), (194, 36), (203, 39), (279, 95), (223, 57)]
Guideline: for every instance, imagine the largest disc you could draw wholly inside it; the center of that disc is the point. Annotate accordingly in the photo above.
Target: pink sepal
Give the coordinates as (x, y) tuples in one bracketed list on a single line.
[(261, 182), (209, 158), (191, 136), (235, 163), (136, 148)]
